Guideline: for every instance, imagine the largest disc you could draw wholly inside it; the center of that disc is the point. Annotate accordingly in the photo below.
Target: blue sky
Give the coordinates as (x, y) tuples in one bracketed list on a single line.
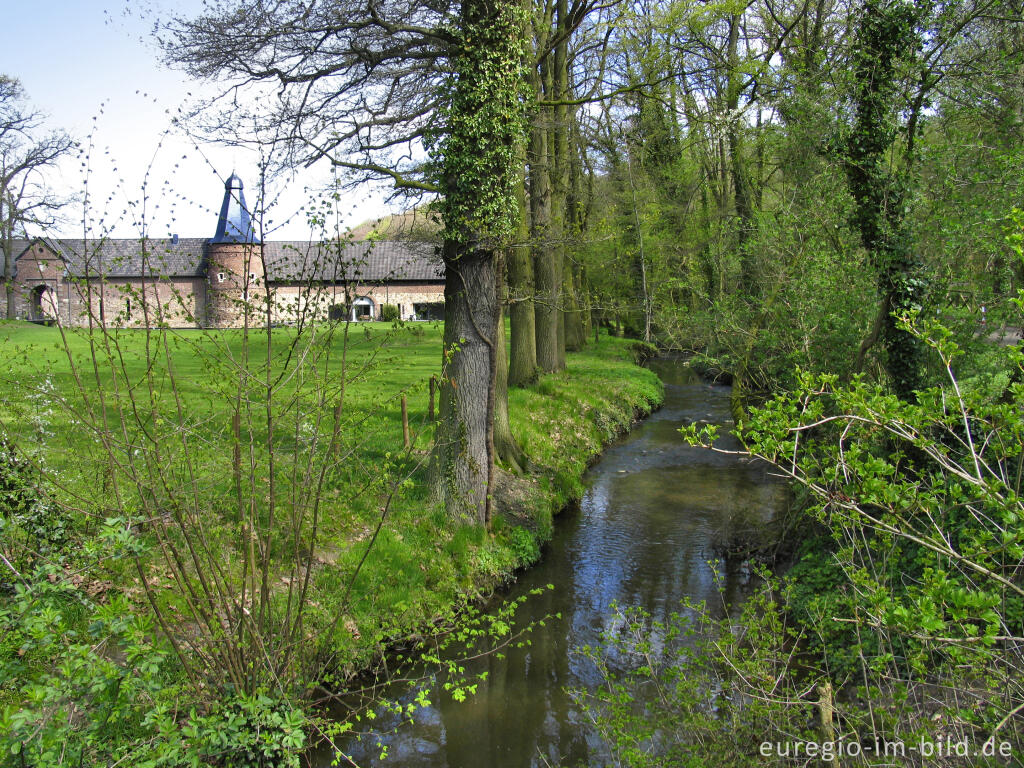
[(92, 67)]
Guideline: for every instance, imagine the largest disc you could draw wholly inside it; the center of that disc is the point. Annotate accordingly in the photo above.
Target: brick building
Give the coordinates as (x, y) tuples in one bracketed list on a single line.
[(216, 282)]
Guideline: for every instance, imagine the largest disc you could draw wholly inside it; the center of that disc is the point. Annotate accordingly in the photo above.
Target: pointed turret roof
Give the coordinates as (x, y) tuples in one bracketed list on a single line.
[(235, 223)]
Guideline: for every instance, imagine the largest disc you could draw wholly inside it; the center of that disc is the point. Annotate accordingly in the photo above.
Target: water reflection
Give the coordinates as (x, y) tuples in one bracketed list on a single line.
[(643, 535)]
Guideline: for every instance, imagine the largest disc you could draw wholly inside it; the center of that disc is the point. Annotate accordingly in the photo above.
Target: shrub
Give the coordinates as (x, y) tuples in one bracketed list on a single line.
[(30, 525), (389, 313), (694, 691), (918, 603)]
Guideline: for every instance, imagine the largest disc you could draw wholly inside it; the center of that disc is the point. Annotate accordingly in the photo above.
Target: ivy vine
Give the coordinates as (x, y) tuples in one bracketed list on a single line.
[(474, 143), (888, 40)]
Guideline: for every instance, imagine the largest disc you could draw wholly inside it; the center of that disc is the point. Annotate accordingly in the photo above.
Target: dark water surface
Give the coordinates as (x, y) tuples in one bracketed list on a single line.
[(652, 510)]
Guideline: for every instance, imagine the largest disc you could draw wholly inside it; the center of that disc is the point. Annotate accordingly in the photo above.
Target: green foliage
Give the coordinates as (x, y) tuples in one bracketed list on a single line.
[(30, 524), (389, 313), (921, 508), (66, 697), (713, 691), (907, 591), (409, 577), (247, 732), (523, 544), (474, 143)]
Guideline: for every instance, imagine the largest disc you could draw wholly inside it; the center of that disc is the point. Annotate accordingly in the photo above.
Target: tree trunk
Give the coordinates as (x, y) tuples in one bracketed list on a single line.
[(523, 355), (7, 224), (575, 338), (740, 184), (559, 146), (545, 276), (645, 294), (577, 329), (463, 451), (505, 446), (9, 278)]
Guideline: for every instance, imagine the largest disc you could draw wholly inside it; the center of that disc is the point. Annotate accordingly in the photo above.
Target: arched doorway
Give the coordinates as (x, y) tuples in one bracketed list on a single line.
[(42, 304), (363, 309)]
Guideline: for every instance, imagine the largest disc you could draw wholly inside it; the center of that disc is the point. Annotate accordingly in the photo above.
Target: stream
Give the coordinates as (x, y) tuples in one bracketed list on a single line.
[(643, 535)]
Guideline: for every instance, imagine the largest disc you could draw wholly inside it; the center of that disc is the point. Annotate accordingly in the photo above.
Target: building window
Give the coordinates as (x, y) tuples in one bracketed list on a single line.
[(428, 311), (221, 277), (128, 310)]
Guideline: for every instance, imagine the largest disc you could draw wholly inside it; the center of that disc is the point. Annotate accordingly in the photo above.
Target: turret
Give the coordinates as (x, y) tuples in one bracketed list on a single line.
[(235, 271)]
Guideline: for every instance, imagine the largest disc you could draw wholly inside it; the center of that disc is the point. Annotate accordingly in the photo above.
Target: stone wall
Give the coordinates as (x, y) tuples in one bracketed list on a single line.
[(137, 303), (292, 302)]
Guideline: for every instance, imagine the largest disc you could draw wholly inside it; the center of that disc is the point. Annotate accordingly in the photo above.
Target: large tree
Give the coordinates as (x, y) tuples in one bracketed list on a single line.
[(367, 86), (26, 151), (887, 38), (483, 126)]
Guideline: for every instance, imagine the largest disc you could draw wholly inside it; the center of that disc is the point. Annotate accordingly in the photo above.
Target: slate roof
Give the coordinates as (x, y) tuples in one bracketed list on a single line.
[(387, 261), (285, 261), (235, 222), (127, 257)]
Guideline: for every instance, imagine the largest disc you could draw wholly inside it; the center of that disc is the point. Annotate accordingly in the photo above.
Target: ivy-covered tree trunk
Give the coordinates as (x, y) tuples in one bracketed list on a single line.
[(886, 38), (477, 155)]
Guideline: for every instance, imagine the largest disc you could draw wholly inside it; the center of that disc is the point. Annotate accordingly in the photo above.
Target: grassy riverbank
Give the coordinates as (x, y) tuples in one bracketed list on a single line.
[(149, 448)]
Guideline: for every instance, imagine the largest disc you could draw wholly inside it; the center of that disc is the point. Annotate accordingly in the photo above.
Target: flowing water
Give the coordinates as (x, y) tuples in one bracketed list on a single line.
[(643, 535)]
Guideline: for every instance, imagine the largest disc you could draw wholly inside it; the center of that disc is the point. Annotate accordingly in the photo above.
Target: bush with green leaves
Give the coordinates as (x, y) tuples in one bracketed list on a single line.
[(919, 609), (695, 691), (248, 732), (389, 313), (30, 525), (77, 675), (90, 681)]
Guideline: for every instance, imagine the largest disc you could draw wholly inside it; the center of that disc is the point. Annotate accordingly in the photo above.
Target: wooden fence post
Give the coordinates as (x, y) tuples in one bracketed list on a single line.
[(826, 713), (405, 423)]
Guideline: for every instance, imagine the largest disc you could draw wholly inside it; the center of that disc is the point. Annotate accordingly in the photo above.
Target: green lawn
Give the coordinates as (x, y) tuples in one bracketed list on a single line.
[(163, 404), (133, 438)]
